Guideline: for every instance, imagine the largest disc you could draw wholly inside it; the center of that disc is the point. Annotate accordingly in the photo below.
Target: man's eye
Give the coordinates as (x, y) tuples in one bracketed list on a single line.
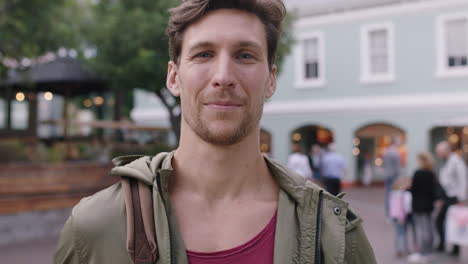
[(246, 56), (203, 55)]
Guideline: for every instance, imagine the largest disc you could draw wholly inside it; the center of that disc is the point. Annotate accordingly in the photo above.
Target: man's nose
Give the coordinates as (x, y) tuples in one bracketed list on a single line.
[(224, 72)]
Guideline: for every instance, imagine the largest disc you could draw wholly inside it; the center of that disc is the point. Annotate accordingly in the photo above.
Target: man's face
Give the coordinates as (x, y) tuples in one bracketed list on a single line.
[(223, 76)]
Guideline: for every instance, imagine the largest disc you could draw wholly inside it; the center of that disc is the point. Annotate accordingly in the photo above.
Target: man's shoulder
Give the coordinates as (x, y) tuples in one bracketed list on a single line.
[(96, 215), (96, 230)]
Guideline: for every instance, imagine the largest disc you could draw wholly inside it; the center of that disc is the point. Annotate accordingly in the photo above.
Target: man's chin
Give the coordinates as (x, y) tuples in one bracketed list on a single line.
[(223, 138)]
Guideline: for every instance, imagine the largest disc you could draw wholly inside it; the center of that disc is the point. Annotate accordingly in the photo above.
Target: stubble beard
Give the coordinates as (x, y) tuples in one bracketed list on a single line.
[(200, 126)]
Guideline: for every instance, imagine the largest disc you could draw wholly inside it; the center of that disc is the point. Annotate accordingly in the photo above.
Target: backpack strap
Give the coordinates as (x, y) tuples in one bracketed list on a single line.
[(141, 235)]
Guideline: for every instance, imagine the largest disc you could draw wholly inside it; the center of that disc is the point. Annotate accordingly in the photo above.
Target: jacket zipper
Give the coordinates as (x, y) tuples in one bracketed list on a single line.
[(318, 250)]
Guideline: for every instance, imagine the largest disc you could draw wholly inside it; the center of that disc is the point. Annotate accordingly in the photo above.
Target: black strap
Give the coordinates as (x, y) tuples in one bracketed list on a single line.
[(318, 248)]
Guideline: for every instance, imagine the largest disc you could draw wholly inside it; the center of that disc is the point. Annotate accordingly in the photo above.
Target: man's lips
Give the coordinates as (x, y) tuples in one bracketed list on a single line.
[(223, 106)]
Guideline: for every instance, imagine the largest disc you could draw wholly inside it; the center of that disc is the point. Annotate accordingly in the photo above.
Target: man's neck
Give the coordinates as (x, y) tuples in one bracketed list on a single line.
[(223, 173)]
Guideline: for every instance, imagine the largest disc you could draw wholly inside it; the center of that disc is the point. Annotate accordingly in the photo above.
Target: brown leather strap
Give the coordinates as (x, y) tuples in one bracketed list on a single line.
[(141, 237)]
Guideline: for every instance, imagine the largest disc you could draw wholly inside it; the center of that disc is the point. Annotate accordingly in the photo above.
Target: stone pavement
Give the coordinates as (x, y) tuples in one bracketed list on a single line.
[(367, 202)]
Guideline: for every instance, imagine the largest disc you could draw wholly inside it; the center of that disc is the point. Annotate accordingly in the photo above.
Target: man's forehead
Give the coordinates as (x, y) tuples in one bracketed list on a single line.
[(245, 29)]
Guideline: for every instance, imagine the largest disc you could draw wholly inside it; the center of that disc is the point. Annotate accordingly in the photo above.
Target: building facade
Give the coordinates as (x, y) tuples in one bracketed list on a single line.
[(363, 74)]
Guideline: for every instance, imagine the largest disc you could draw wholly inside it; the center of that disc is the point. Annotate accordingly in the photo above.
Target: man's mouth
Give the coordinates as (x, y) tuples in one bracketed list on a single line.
[(223, 105)]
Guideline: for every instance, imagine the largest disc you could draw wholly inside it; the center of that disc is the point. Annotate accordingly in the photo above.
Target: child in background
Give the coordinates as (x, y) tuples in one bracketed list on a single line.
[(400, 208)]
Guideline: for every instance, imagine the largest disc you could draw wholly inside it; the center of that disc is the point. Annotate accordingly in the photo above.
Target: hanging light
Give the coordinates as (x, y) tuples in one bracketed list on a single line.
[(356, 151), (87, 103), (297, 137), (98, 100), (20, 96), (454, 138), (356, 142), (48, 96), (378, 162)]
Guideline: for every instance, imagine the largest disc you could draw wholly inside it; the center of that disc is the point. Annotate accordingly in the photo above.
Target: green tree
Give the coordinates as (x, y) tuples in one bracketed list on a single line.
[(132, 48), (30, 28)]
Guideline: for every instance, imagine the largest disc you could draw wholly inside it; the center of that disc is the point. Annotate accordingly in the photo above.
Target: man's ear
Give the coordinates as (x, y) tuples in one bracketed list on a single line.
[(171, 80), (271, 88)]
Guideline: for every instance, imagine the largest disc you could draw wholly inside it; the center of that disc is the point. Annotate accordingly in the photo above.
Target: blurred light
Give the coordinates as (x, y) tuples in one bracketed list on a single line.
[(264, 147), (90, 53), (62, 52), (297, 137), (387, 140), (98, 100), (26, 62), (356, 151), (454, 138), (356, 142), (20, 96), (72, 53), (48, 96), (450, 130), (378, 162), (87, 103), (465, 130)]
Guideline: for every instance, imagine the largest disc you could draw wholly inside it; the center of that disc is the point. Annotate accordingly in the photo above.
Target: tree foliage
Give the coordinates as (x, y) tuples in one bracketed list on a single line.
[(29, 28)]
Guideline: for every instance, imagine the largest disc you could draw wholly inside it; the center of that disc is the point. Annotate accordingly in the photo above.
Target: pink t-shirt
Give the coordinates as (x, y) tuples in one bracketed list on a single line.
[(259, 250)]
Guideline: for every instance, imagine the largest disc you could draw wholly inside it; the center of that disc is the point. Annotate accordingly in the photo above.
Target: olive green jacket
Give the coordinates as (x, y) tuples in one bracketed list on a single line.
[(95, 233)]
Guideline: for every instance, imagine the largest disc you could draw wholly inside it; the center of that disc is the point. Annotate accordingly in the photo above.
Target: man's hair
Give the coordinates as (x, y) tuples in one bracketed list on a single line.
[(270, 12)]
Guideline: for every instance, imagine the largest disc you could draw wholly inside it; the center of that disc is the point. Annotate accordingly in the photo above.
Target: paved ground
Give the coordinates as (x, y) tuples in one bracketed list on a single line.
[(368, 203)]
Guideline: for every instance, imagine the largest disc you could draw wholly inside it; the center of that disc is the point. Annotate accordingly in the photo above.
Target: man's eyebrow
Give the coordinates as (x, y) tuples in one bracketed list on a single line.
[(200, 45), (251, 44), (242, 44)]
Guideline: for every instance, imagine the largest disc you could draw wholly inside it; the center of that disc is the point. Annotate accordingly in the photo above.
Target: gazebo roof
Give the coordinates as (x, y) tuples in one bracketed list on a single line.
[(62, 76)]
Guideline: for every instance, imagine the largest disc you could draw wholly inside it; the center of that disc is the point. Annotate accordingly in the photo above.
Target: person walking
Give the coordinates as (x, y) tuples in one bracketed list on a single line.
[(391, 169), (453, 179), (424, 192), (314, 158), (333, 169), (215, 199), (298, 162)]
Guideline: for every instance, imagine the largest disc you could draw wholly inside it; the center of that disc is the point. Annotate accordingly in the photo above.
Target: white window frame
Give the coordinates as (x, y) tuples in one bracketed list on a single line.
[(366, 75), (442, 69), (302, 82)]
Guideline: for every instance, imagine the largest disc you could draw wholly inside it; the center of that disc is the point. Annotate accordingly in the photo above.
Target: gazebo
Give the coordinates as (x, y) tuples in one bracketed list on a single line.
[(51, 183), (63, 76)]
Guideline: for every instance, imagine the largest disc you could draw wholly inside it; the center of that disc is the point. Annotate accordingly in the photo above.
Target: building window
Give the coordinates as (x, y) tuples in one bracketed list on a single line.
[(310, 61), (377, 53), (452, 40)]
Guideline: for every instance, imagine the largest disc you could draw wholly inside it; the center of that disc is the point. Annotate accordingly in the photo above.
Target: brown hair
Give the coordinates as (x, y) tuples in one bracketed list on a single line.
[(270, 12), (427, 160)]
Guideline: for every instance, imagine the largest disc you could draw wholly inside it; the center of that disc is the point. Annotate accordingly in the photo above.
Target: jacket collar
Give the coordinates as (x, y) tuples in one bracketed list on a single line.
[(146, 169)]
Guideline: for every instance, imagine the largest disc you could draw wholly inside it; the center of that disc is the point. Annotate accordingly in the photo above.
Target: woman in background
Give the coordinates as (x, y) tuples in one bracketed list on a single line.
[(424, 193)]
